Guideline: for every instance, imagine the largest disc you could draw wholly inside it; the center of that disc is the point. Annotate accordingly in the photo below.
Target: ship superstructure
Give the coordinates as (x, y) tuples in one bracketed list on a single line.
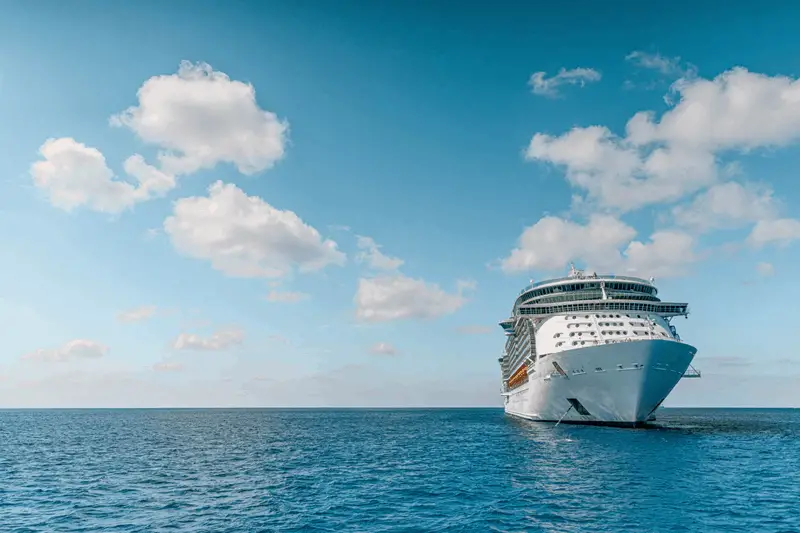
[(592, 349)]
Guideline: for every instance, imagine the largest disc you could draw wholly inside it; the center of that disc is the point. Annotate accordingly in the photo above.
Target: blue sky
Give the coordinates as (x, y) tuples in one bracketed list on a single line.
[(335, 206)]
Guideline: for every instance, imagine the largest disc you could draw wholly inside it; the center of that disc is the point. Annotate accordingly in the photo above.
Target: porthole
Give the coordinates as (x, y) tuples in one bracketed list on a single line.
[(624, 332), (587, 316), (580, 334), (582, 343), (574, 343), (593, 334), (574, 317), (572, 334)]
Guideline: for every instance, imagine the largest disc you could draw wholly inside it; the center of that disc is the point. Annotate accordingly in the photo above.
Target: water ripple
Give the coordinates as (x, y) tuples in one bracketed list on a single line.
[(457, 470)]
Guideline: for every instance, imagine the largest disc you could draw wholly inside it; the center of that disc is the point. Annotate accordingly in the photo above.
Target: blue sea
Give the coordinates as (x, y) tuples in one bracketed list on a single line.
[(386, 470)]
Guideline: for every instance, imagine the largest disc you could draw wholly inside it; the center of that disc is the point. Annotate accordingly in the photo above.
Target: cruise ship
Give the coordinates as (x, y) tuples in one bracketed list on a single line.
[(592, 349)]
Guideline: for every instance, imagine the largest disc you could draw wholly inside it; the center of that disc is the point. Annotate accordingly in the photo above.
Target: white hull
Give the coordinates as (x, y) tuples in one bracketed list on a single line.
[(635, 379)]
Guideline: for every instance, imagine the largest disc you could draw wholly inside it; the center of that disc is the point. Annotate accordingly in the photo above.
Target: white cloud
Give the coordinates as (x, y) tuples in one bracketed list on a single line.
[(736, 110), (669, 66), (166, 366), (200, 117), (383, 348), (666, 254), (286, 296), (544, 86), (218, 341), (137, 314), (372, 255), (665, 160), (243, 236), (726, 205), (780, 231), (552, 242), (398, 297), (765, 269), (74, 349), (604, 244), (74, 175), (618, 175)]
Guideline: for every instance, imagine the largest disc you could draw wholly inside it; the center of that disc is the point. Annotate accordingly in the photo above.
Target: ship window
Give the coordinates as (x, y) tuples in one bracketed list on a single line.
[(572, 334), (556, 335), (593, 334), (587, 316), (624, 332), (574, 317), (574, 343), (582, 343)]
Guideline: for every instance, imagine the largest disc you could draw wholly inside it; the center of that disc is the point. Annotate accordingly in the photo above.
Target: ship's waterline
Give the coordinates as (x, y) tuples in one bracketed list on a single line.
[(592, 349)]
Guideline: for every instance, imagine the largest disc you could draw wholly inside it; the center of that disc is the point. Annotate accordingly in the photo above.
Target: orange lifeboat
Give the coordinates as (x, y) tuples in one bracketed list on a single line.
[(519, 377)]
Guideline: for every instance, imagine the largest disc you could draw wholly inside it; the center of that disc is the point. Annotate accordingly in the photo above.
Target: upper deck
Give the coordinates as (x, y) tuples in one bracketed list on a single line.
[(578, 286), (580, 292)]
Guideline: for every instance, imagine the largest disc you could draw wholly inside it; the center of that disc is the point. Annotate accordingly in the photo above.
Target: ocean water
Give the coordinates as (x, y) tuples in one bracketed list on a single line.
[(437, 470)]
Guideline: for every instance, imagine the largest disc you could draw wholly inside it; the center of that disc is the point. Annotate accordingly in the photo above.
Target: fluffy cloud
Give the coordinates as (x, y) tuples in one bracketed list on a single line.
[(74, 175), (552, 242), (137, 314), (618, 175), (74, 349), (218, 341), (243, 236), (726, 205), (383, 348), (286, 296), (736, 110), (200, 117), (666, 254), (665, 160), (544, 86), (765, 269), (370, 253), (780, 231), (397, 297), (604, 243)]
